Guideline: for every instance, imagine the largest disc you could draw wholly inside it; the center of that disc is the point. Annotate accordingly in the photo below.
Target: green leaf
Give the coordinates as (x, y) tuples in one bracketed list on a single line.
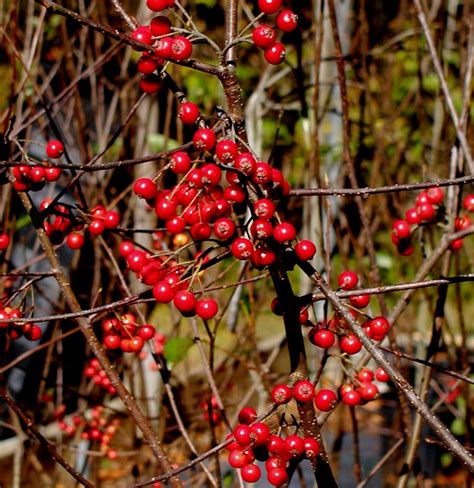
[(176, 349), (22, 222)]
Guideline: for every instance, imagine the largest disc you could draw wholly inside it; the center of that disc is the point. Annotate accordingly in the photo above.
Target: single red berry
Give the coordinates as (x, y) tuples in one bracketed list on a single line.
[(247, 415), (259, 433), (112, 341), (206, 308), (163, 292), (380, 326), (189, 113), (381, 375), (145, 188), (269, 6), (294, 445), (200, 231), (426, 212), (276, 445), (264, 208), (146, 332), (325, 400), (150, 83), (347, 280), (350, 344), (147, 64), (305, 250), (180, 162), (136, 260), (211, 174), (164, 48), (54, 149), (184, 301), (4, 241), (281, 394), (143, 34), (245, 162), (262, 173), (126, 247), (401, 229), (52, 174), (160, 26), (112, 219), (303, 391), (284, 232), (263, 36), (242, 248), (34, 334), (311, 447), (435, 195), (462, 222), (261, 229), (456, 245), (74, 240), (165, 209), (157, 5), (351, 398), (421, 199), (262, 257), (204, 139), (287, 21), (359, 301), (468, 203), (96, 227), (226, 150), (323, 338), (136, 344), (181, 48), (37, 174), (234, 194), (368, 391), (275, 54), (412, 217), (277, 476), (238, 459), (365, 375), (242, 434), (251, 473), (175, 225), (224, 229)]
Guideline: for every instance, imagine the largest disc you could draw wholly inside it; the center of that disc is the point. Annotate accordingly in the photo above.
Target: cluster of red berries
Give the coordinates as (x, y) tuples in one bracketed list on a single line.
[(34, 178), (303, 391), (124, 333), (94, 425), (265, 37), (362, 390), (94, 371), (58, 223), (16, 330), (164, 46), (253, 440)]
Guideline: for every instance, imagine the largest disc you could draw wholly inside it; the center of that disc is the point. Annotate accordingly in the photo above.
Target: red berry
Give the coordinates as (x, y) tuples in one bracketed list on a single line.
[(277, 476), (226, 150), (175, 225), (126, 247), (435, 195), (456, 245), (242, 434), (112, 341), (247, 415), (34, 334), (347, 280), (147, 64), (275, 54), (112, 219), (136, 344), (165, 209), (234, 194), (323, 338), (381, 375), (204, 139), (261, 229), (238, 459), (359, 301), (184, 301), (325, 400), (189, 113), (281, 394), (262, 173), (263, 36), (284, 232), (180, 162), (224, 229), (145, 188), (294, 445), (206, 308), (305, 250), (245, 162), (401, 229), (52, 174), (200, 231), (242, 248), (146, 332), (211, 174), (259, 433), (160, 26), (96, 227), (350, 344), (426, 212), (143, 34), (163, 292), (287, 21), (157, 5), (251, 473), (269, 6), (4, 241), (264, 208), (181, 48), (351, 398), (462, 222), (164, 47), (74, 240), (54, 149), (379, 326), (311, 447), (262, 257), (368, 391), (468, 203), (303, 391), (412, 217), (365, 375), (150, 83), (136, 260)]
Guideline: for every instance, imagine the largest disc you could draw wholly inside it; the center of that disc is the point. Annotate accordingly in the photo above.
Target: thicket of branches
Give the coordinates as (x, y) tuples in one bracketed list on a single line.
[(367, 126)]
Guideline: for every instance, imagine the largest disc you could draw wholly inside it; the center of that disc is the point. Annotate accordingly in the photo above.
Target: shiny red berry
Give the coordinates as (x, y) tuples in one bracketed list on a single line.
[(269, 6), (287, 21), (305, 250), (347, 280), (281, 394), (277, 476), (275, 54), (204, 139), (323, 338), (303, 391), (350, 344), (242, 248), (160, 26), (325, 400), (284, 232), (54, 149), (263, 36), (206, 308), (251, 473)]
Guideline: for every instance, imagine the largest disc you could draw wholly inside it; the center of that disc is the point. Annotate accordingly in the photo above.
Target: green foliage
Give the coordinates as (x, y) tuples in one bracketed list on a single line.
[(176, 349)]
